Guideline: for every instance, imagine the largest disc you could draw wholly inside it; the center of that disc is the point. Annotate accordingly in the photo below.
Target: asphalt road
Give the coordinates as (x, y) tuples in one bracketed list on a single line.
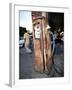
[(26, 64)]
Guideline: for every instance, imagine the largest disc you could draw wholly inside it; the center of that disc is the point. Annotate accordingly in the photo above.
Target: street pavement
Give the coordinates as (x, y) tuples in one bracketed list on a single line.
[(26, 64)]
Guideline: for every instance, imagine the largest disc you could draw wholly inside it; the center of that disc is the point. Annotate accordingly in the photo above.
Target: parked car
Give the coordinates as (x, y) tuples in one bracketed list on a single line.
[(21, 42)]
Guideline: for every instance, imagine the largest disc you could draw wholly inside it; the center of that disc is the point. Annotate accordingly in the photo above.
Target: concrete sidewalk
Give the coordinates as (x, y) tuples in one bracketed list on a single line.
[(26, 64)]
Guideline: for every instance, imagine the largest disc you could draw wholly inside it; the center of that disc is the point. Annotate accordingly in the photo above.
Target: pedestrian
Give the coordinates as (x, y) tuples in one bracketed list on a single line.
[(27, 42), (52, 39)]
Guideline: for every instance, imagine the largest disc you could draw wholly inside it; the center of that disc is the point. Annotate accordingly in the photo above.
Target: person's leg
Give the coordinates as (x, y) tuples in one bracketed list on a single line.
[(27, 48)]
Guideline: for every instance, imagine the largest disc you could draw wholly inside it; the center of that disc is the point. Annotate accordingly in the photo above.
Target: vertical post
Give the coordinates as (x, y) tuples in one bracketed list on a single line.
[(37, 47), (44, 43)]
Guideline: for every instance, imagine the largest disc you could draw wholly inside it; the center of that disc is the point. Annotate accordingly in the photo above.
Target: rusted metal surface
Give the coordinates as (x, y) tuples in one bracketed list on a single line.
[(42, 47)]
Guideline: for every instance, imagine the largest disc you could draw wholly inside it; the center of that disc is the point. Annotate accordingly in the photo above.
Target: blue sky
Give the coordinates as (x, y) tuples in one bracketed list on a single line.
[(26, 19)]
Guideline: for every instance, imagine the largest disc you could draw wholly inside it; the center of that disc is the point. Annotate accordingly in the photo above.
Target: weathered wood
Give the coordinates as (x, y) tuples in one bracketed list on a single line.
[(42, 47), (48, 52), (37, 49)]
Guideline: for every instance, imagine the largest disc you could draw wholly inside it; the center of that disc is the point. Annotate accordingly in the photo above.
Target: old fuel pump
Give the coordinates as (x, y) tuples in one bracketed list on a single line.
[(42, 47)]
